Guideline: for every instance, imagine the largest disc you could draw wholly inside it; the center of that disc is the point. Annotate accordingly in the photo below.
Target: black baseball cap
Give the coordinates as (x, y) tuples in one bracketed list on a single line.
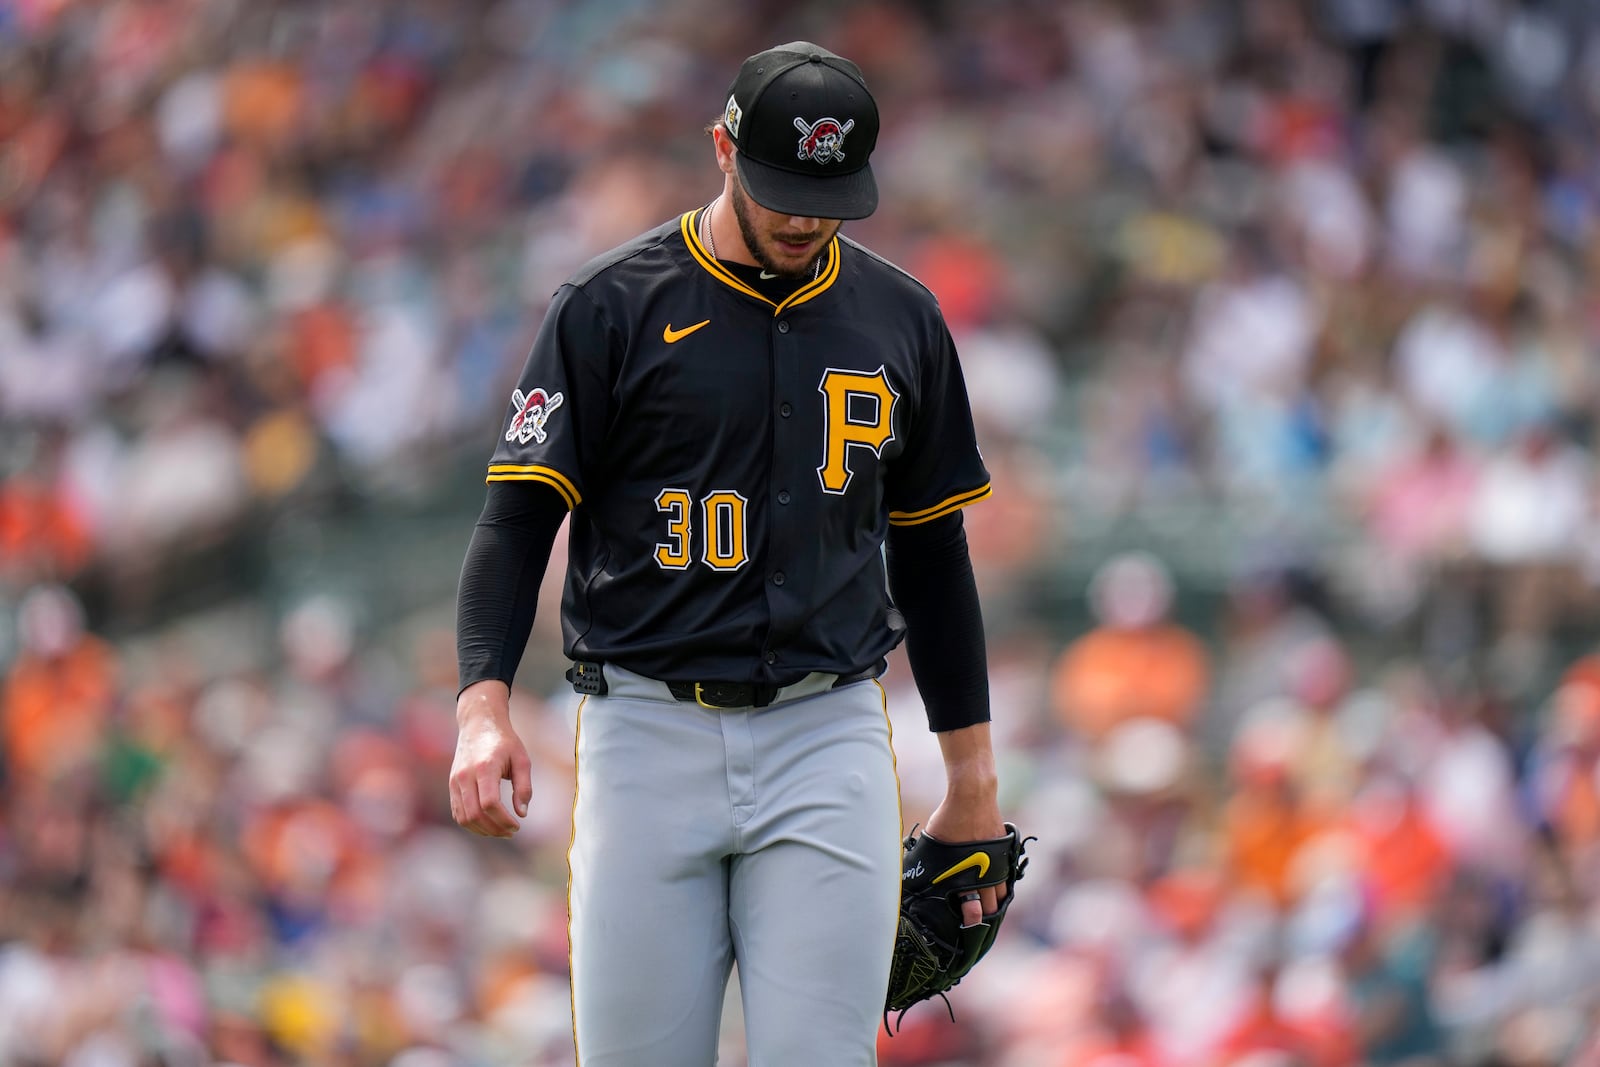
[(805, 125)]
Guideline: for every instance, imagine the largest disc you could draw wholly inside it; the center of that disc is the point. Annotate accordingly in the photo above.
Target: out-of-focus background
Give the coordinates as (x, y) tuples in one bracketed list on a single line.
[(1280, 325)]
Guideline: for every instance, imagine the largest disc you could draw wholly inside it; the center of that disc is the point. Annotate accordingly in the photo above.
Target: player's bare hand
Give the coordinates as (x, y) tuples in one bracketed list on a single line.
[(977, 819), (488, 751), (970, 810)]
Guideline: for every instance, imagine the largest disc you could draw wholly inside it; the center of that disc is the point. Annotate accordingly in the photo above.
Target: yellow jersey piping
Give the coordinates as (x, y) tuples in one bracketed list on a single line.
[(689, 225), (534, 472), (941, 509)]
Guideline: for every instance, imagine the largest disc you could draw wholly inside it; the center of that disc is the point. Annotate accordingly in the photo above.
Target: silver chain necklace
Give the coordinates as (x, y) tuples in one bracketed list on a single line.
[(711, 242)]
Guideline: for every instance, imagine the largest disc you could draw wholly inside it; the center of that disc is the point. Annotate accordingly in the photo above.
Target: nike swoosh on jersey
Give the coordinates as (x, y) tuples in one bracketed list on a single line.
[(767, 277), (672, 336), (979, 860)]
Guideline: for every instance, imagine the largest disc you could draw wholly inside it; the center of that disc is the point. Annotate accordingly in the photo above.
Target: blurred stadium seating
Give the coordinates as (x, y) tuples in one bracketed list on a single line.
[(1279, 321)]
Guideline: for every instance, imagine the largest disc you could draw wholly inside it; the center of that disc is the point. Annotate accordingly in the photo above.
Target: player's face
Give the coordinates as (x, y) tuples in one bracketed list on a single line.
[(786, 245)]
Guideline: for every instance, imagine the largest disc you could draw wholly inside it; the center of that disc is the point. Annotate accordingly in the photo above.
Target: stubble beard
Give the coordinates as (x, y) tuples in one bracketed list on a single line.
[(752, 241)]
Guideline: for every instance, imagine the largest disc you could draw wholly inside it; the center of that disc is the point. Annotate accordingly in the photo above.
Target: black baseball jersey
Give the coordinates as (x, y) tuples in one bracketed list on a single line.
[(733, 464)]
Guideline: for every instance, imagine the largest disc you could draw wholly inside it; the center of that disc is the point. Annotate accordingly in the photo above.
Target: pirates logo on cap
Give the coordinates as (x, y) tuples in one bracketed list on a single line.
[(822, 141)]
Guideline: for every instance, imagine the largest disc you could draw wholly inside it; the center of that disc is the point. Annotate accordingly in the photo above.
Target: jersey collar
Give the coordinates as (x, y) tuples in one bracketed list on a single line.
[(690, 225)]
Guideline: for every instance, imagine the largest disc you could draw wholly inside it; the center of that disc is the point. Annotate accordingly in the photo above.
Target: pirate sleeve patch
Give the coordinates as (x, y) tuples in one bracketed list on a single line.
[(550, 433)]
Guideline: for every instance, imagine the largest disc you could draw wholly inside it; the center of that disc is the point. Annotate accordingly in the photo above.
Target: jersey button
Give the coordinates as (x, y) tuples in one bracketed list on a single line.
[(783, 496), (778, 579), (783, 325), (785, 410), (772, 657)]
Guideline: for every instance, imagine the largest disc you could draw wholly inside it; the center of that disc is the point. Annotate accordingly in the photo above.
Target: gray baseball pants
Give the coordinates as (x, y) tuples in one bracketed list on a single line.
[(767, 836)]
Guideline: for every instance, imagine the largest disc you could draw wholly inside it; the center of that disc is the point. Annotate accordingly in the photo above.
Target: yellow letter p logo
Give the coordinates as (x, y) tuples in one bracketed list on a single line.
[(859, 410)]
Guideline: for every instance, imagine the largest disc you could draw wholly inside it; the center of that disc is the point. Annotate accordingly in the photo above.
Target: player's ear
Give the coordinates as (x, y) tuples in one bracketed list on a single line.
[(725, 148)]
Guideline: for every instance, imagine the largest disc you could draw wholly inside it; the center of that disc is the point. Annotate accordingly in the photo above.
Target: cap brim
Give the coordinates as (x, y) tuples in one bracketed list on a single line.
[(845, 196)]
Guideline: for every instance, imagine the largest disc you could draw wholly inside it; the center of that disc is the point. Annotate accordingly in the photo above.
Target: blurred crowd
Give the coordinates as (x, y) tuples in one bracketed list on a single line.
[(1278, 323)]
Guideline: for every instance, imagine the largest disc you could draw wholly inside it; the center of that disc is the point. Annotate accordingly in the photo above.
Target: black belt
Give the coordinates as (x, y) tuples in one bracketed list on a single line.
[(749, 694), (589, 678)]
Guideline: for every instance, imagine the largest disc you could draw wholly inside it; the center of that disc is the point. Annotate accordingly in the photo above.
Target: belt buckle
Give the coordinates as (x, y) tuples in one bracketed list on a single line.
[(717, 690), (720, 696)]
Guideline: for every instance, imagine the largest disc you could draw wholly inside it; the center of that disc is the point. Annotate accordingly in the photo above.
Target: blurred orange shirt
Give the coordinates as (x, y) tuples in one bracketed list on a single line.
[(1574, 805), (39, 528), (1406, 860), (1570, 783), (1109, 676), (1263, 828), (52, 710), (262, 101), (322, 338)]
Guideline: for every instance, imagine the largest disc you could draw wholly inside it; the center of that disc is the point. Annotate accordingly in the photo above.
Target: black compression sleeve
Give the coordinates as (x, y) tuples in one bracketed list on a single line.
[(499, 588), (930, 575)]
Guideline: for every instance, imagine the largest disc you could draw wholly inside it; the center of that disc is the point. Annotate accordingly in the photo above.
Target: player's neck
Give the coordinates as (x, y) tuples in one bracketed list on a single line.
[(726, 240)]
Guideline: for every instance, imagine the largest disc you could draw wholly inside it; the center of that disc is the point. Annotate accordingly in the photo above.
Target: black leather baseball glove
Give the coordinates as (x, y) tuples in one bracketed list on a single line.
[(933, 951)]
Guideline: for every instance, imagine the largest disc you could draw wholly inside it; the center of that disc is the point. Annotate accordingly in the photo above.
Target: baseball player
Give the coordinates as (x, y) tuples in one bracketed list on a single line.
[(741, 409)]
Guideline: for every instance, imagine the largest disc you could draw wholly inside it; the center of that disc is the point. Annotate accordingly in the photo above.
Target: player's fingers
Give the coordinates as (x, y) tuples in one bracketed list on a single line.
[(971, 909), (521, 781), (459, 807), (989, 899), (464, 804), (465, 786), (495, 819)]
